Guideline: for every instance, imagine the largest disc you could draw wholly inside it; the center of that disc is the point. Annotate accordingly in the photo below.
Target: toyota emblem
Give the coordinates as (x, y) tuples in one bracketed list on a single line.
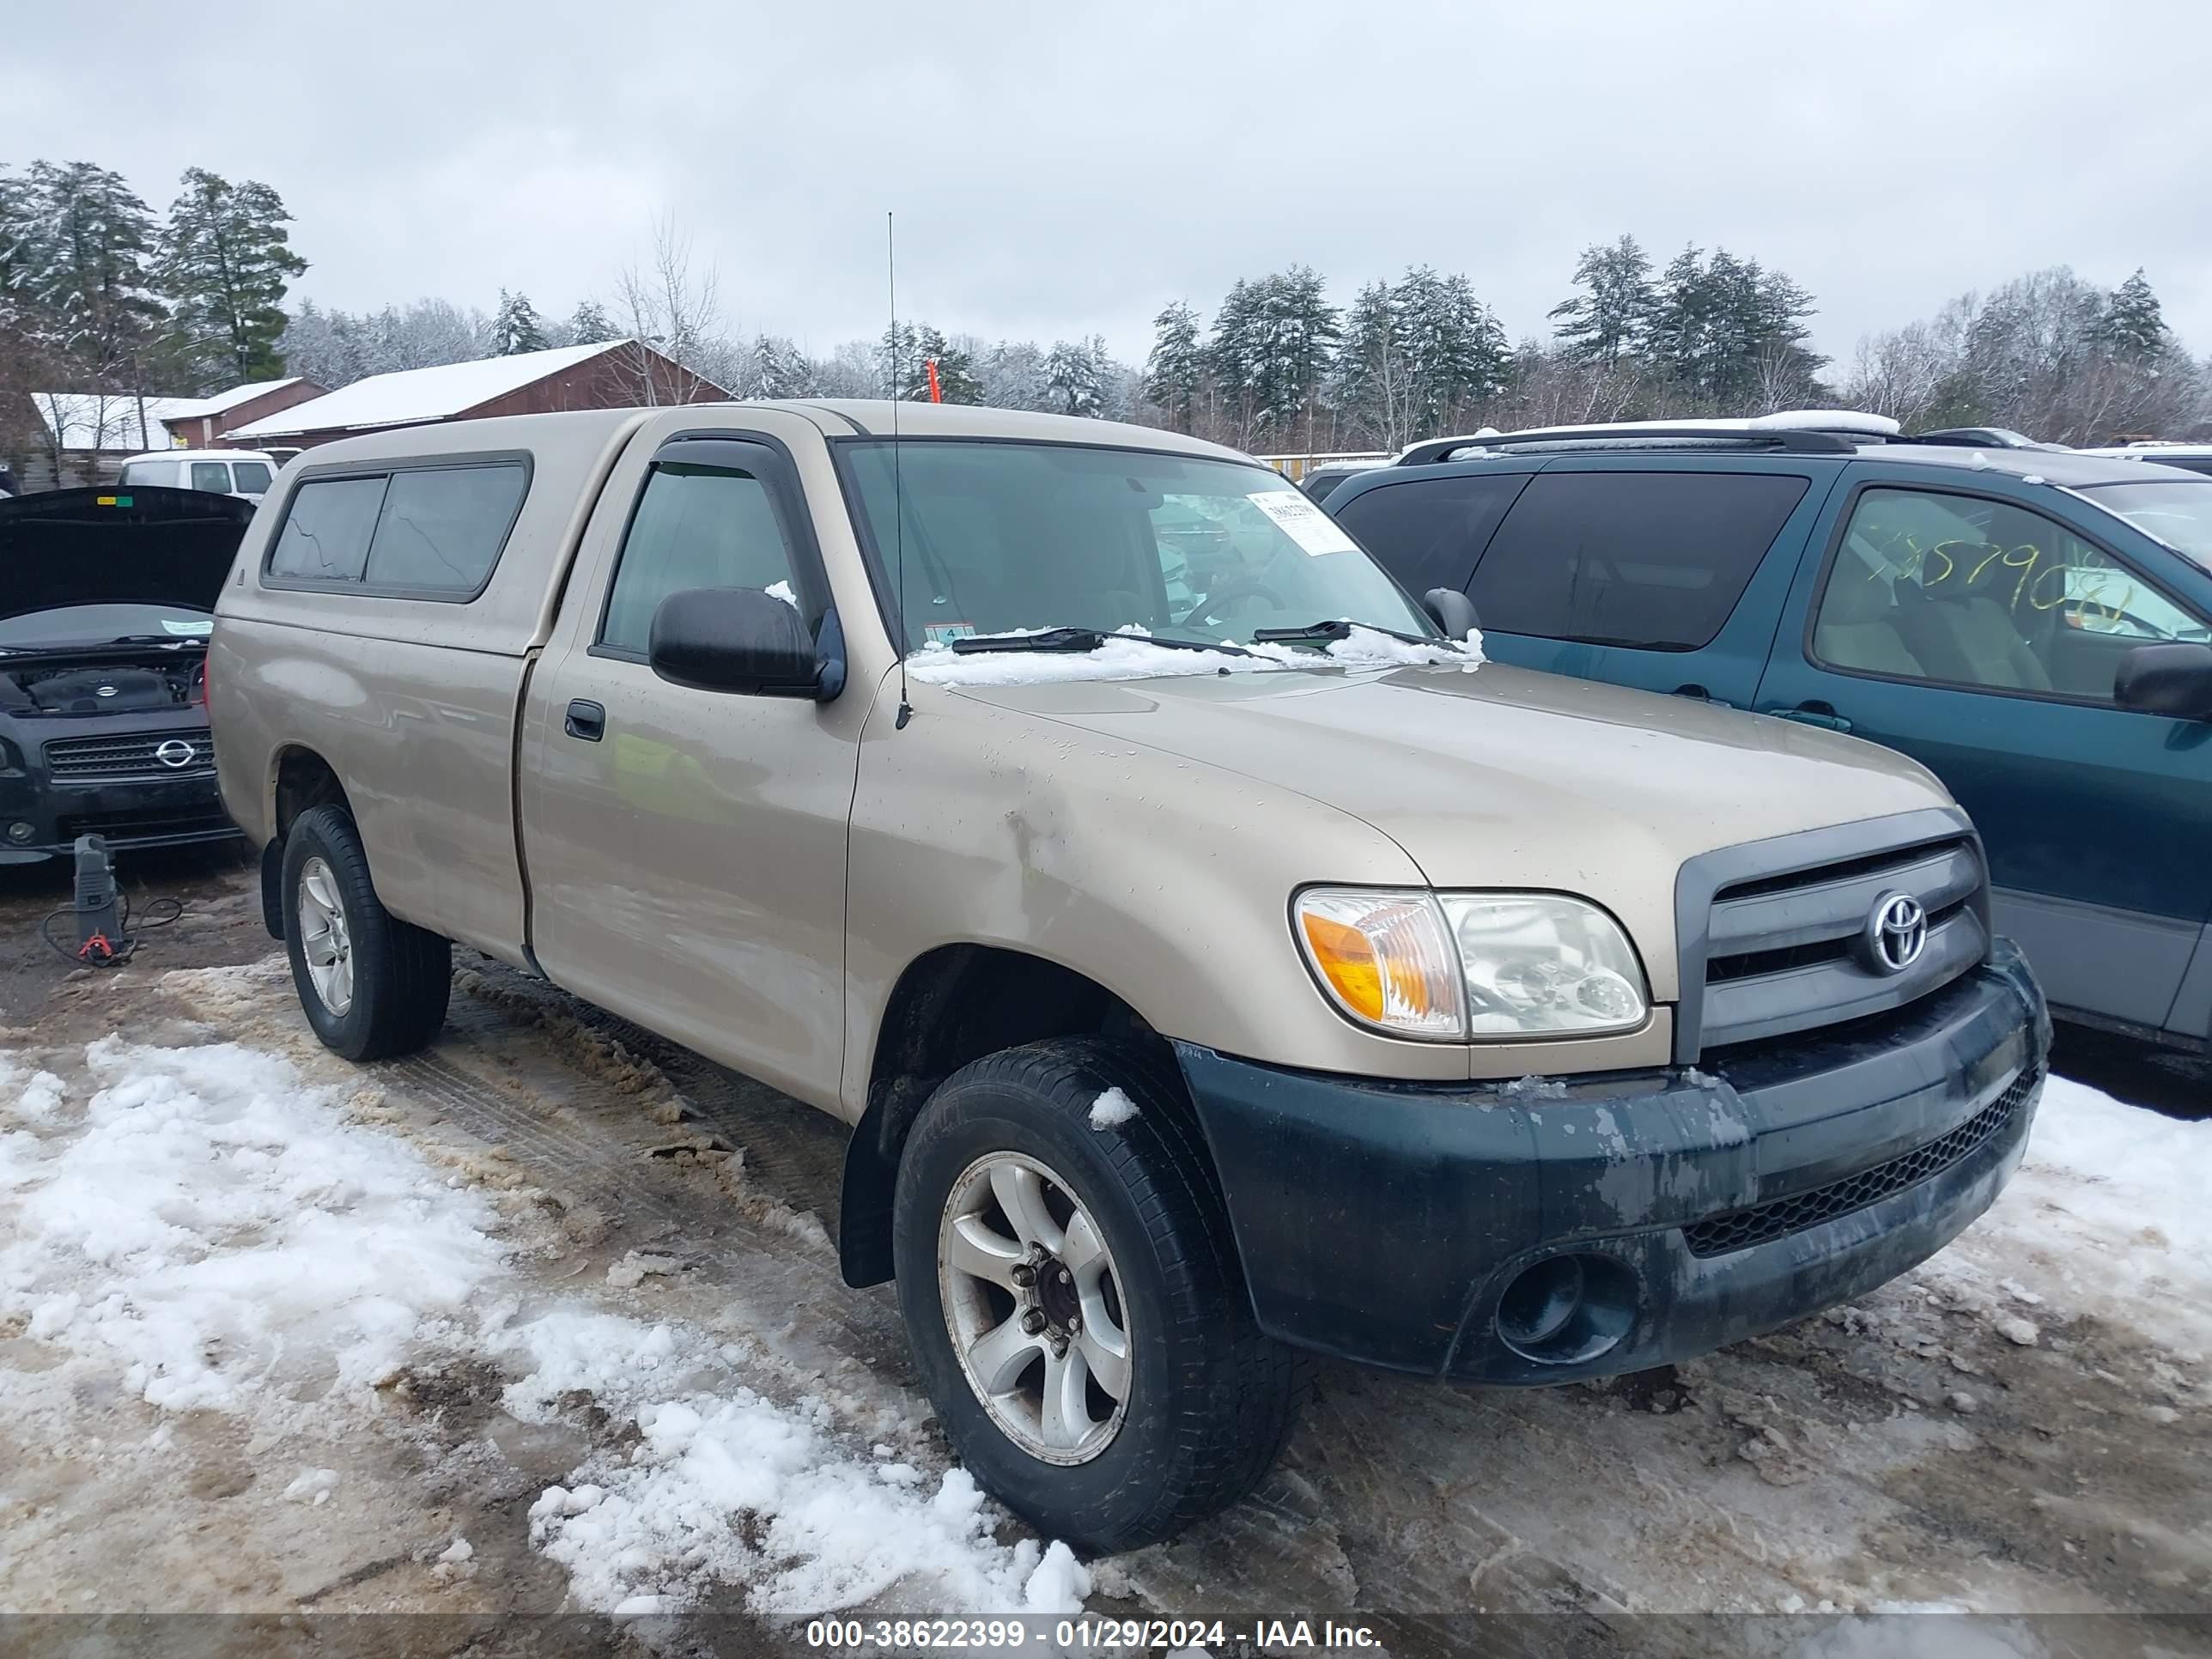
[(175, 752), (1896, 932)]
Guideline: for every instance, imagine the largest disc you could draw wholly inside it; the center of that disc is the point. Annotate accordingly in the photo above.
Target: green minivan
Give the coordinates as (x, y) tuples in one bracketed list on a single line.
[(2034, 625)]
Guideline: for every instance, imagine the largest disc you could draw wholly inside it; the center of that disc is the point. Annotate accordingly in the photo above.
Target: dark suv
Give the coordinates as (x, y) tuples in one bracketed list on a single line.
[(2034, 625)]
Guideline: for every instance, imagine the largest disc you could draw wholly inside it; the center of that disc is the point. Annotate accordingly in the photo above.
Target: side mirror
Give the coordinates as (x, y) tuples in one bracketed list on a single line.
[(739, 639), (1451, 611), (2175, 680)]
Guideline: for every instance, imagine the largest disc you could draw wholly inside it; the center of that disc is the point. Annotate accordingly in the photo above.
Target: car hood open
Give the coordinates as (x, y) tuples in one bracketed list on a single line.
[(142, 545)]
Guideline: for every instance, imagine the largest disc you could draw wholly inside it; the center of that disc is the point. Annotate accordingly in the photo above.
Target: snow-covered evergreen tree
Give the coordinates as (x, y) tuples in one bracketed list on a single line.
[(516, 327), (1013, 376), (2133, 326), (1370, 388), (80, 267), (1606, 321), (591, 325), (227, 261), (956, 369), (779, 369), (1177, 364), (1075, 376)]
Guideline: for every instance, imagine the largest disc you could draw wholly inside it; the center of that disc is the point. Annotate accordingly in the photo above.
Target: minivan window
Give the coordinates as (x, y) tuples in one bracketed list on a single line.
[(211, 475), (1428, 532), (326, 533), (1654, 560), (441, 528), (1969, 591), (696, 526), (1000, 536), (252, 476)]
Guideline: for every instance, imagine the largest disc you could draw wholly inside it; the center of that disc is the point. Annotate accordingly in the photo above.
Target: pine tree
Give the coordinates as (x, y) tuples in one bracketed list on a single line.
[(79, 265), (956, 369), (780, 369), (1371, 372), (1013, 376), (1075, 376), (226, 262), (2133, 327), (591, 325), (1608, 322), (1681, 317), (516, 327), (1172, 373)]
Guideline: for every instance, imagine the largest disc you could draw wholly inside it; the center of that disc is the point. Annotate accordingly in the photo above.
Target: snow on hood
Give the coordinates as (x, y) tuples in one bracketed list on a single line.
[(1130, 654)]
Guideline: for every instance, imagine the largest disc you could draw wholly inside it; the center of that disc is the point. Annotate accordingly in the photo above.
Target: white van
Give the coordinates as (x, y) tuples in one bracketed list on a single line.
[(245, 472)]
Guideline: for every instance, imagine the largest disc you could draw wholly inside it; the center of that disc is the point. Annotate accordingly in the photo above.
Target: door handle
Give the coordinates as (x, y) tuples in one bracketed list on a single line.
[(1700, 694), (587, 720), (1816, 714)]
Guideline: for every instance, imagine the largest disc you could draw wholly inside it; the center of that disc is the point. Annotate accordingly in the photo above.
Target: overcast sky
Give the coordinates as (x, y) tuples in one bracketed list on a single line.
[(1062, 169)]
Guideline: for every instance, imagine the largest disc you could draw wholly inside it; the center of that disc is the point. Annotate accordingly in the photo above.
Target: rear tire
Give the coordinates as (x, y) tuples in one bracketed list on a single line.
[(371, 985), (1207, 1401)]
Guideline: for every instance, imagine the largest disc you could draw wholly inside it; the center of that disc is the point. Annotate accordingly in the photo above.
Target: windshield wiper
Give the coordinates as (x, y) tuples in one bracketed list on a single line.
[(1337, 628), (158, 638), (1081, 640)]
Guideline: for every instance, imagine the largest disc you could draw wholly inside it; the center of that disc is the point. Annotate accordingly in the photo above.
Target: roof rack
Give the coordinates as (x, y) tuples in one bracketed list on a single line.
[(1791, 439)]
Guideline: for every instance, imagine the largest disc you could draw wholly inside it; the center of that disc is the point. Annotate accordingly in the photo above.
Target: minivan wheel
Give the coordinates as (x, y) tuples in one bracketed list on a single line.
[(1074, 1301), (370, 984)]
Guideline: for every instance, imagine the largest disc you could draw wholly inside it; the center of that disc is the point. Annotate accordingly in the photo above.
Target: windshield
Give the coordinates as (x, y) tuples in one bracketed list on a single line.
[(1001, 537), (96, 625), (2177, 512)]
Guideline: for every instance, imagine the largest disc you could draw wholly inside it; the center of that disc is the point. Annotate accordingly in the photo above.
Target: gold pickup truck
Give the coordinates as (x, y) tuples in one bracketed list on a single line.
[(1215, 959)]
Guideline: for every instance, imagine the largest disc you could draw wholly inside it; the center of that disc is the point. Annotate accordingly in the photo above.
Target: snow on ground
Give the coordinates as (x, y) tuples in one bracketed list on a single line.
[(201, 1220), (1130, 656), (728, 1487), (202, 1229), (216, 1234), (2108, 1214)]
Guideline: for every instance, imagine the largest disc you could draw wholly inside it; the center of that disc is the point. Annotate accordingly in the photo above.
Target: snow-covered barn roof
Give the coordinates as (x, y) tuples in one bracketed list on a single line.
[(413, 395), (110, 419), (234, 397)]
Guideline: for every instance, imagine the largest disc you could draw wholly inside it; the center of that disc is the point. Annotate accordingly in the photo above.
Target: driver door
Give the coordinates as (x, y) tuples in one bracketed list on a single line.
[(686, 848), (1980, 635)]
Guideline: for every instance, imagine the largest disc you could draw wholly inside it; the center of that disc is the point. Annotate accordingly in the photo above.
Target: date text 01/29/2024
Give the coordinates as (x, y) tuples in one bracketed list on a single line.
[(1076, 1635)]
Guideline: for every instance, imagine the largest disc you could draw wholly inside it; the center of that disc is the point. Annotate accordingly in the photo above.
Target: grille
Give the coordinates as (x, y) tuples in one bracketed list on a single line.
[(147, 823), (1763, 1223), (127, 758), (1784, 952)]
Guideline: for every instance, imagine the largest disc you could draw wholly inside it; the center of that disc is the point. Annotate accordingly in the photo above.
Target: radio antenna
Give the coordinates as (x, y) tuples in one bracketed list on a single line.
[(898, 494)]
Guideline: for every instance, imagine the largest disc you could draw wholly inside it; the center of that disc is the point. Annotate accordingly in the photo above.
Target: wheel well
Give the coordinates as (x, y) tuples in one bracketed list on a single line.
[(951, 1005), (304, 780)]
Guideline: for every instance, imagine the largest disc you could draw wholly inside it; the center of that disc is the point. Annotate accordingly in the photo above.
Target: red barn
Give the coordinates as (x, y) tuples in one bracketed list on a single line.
[(613, 375)]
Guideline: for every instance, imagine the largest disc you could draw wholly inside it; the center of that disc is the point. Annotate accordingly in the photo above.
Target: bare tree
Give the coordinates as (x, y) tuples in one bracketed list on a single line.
[(673, 317)]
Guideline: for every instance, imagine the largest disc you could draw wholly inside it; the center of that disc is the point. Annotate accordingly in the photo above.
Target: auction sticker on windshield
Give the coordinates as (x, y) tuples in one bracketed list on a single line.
[(190, 631), (1305, 524)]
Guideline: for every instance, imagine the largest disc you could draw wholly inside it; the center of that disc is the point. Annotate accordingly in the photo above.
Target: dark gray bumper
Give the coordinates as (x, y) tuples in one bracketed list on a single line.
[(1387, 1223)]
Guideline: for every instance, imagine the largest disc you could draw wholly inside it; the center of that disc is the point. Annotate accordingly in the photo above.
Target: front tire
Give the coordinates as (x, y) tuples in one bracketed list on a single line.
[(1073, 1298), (371, 985)]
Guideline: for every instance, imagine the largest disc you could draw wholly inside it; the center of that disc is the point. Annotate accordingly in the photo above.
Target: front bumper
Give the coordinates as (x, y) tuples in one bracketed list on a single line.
[(1389, 1223), (133, 813)]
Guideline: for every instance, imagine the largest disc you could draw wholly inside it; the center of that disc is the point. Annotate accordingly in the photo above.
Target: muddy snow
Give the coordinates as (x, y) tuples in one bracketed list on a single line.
[(547, 1321)]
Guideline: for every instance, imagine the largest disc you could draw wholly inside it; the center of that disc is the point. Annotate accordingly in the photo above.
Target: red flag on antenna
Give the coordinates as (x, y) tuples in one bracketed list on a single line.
[(935, 395)]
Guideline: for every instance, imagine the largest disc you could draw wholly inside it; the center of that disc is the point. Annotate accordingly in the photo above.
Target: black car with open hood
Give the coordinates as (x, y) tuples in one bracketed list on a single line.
[(106, 602)]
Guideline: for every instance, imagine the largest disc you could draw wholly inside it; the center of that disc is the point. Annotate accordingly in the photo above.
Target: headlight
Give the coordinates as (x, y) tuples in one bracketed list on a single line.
[(1463, 966), (1538, 965), (1386, 957)]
